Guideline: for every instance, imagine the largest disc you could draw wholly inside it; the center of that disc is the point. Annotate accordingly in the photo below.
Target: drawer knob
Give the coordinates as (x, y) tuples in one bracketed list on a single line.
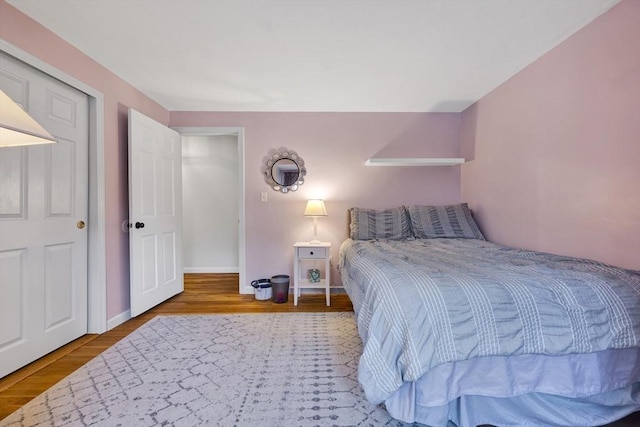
[(311, 252)]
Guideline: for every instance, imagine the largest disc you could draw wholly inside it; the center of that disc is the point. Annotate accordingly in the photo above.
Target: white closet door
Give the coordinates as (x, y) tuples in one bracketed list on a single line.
[(155, 212), (43, 208)]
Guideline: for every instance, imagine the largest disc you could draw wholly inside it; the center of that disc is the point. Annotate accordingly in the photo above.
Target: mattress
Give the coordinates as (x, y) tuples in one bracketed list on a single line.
[(450, 322)]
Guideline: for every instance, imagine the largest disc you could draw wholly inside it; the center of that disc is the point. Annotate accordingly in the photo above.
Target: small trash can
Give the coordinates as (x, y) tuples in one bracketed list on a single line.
[(280, 284), (262, 289)]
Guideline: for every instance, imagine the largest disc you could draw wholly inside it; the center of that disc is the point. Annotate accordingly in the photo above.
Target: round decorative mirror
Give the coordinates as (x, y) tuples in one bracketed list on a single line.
[(284, 171)]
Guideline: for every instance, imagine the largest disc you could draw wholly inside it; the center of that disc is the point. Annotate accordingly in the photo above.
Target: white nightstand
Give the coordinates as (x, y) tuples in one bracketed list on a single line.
[(306, 256)]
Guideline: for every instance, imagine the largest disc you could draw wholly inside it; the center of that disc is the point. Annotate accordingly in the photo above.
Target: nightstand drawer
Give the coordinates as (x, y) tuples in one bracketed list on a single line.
[(312, 252)]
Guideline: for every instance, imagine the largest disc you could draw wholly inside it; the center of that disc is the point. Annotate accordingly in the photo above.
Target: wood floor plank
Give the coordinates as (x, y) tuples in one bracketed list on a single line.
[(203, 294)]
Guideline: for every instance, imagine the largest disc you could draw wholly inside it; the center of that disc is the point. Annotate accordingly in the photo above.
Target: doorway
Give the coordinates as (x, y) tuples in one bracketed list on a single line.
[(61, 308), (210, 203), (43, 212), (213, 200)]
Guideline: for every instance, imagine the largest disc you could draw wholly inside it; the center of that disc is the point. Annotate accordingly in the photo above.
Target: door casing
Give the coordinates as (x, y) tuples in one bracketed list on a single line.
[(243, 288)]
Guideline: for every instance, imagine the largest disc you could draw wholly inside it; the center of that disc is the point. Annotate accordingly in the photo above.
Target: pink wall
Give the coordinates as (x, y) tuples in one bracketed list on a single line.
[(334, 147), (24, 33), (556, 149), (556, 152)]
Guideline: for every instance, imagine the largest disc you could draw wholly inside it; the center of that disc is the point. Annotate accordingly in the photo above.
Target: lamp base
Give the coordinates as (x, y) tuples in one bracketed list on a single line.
[(315, 240)]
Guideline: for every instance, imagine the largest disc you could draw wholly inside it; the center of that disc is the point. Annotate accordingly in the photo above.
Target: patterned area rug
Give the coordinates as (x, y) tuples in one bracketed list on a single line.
[(285, 369)]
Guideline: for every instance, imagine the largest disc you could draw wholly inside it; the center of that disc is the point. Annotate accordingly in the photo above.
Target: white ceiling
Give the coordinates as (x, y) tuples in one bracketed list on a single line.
[(315, 55)]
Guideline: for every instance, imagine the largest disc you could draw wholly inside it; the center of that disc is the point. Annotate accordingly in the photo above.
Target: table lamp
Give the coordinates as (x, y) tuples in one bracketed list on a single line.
[(315, 208)]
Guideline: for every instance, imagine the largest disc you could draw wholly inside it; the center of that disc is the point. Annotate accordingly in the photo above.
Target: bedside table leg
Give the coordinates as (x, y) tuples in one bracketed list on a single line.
[(296, 276), (327, 273)]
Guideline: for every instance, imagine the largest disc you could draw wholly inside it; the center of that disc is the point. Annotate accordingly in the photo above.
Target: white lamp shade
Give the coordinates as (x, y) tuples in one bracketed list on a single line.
[(315, 207), (19, 128)]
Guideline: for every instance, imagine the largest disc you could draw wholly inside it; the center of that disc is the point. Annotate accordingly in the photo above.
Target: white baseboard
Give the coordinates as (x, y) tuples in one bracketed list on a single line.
[(210, 269), (118, 319)]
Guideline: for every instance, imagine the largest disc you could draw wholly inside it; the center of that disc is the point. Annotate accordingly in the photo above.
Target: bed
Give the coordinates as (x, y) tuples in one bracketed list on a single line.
[(460, 330)]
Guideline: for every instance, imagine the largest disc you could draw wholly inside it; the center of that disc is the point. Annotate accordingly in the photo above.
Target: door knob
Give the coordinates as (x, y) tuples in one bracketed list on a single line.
[(80, 224), (139, 224)]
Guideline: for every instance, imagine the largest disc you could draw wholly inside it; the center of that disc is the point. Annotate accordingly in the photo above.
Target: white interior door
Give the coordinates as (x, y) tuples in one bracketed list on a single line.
[(155, 212), (43, 204)]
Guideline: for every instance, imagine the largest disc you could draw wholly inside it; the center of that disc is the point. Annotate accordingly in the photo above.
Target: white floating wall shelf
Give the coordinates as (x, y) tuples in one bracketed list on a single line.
[(415, 161)]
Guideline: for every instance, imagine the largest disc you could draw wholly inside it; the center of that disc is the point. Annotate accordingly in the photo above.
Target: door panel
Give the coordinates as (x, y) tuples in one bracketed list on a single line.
[(58, 285), (166, 202), (61, 109), (148, 263), (13, 165), (147, 182), (12, 286), (15, 86), (43, 194), (60, 179), (155, 211)]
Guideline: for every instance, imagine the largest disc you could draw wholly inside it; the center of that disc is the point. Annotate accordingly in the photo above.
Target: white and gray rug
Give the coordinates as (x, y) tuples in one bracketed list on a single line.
[(285, 369)]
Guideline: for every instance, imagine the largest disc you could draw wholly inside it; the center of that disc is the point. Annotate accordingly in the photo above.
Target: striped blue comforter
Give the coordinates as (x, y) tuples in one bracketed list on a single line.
[(422, 303)]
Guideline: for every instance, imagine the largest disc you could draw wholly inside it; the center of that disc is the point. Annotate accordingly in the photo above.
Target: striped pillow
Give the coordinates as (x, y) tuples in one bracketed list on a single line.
[(369, 224), (429, 222)]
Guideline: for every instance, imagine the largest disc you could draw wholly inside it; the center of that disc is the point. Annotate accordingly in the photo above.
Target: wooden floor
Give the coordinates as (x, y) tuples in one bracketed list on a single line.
[(204, 293)]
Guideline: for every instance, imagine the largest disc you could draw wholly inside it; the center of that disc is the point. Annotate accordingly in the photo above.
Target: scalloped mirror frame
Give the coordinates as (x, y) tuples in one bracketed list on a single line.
[(289, 161)]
